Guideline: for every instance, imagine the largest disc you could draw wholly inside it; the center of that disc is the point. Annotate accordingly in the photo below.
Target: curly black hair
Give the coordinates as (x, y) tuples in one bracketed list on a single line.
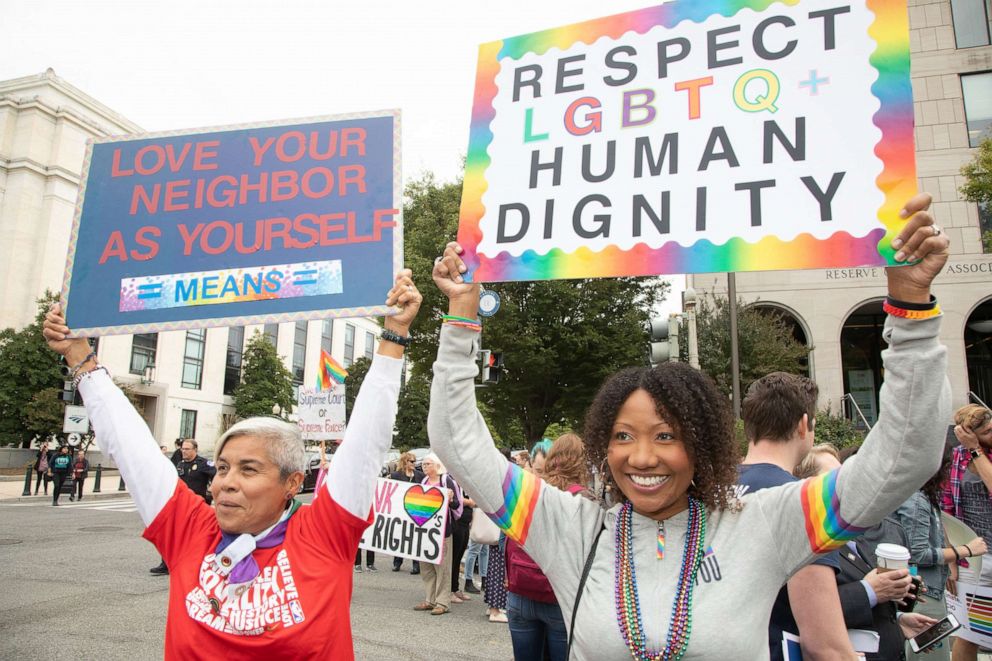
[(690, 402)]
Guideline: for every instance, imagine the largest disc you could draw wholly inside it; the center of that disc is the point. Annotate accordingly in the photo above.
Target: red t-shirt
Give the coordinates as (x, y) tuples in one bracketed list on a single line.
[(297, 607)]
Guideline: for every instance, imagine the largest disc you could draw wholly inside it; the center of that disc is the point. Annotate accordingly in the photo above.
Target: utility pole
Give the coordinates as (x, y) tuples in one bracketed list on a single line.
[(735, 362)]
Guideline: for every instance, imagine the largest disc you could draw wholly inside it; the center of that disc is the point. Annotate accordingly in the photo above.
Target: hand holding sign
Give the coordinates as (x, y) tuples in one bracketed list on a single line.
[(921, 240), (405, 296), (447, 274)]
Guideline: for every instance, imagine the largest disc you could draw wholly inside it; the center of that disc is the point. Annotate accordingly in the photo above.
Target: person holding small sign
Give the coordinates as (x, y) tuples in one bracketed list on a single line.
[(258, 575), (679, 567)]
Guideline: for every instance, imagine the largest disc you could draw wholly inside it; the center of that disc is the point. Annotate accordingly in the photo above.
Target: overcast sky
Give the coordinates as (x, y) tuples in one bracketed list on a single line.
[(189, 64)]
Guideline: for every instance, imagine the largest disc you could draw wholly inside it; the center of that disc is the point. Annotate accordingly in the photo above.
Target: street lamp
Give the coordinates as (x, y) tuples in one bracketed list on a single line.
[(689, 305), (148, 374)]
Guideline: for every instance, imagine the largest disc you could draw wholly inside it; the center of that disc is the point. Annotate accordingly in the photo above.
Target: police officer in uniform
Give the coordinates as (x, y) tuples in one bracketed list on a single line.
[(195, 470)]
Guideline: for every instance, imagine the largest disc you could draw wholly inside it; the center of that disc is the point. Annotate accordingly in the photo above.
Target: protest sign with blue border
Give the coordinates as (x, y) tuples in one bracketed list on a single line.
[(261, 223)]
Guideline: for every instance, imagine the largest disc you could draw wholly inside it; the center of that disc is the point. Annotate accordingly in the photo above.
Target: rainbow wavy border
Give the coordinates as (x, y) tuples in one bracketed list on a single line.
[(897, 181), (241, 320)]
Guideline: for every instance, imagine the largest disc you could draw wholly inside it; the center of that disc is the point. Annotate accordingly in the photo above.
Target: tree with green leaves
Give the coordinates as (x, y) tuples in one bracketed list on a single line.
[(978, 184), (411, 418), (265, 381), (27, 370), (356, 375), (765, 342), (560, 339)]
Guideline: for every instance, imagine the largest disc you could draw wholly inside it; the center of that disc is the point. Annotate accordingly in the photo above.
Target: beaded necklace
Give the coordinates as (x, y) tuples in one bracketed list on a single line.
[(628, 603)]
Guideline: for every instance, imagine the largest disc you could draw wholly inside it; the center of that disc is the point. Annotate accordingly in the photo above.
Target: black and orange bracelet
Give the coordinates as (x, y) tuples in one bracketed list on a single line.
[(917, 311)]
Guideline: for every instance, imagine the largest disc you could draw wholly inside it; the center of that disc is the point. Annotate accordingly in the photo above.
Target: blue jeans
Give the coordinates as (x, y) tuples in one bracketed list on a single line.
[(533, 625), (476, 552)]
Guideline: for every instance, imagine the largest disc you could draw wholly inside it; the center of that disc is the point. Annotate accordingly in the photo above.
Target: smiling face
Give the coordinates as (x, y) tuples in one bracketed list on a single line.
[(249, 494), (649, 464)]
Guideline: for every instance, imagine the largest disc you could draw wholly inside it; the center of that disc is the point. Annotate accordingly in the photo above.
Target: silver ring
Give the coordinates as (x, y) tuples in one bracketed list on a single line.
[(409, 287), (438, 260), (936, 230)]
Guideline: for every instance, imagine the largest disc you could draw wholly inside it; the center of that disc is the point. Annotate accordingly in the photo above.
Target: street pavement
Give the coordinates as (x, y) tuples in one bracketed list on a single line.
[(75, 585)]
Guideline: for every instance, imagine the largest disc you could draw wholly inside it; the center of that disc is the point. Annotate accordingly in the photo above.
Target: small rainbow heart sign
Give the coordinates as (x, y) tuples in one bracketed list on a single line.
[(422, 504)]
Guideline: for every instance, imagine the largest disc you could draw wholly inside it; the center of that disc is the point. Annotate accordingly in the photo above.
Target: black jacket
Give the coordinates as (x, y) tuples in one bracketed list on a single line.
[(197, 474), (858, 614)]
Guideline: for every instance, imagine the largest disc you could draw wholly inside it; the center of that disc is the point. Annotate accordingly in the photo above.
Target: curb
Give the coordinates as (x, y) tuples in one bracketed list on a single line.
[(103, 495)]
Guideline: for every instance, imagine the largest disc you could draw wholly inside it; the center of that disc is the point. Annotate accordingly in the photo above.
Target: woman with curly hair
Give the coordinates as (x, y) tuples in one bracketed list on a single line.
[(679, 567)]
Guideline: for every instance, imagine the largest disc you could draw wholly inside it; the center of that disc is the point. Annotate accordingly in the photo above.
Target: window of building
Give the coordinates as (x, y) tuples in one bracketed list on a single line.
[(196, 340), (349, 345), (971, 22), (272, 334), (143, 348), (977, 91), (369, 345), (985, 226), (187, 424), (299, 352), (326, 334), (235, 349)]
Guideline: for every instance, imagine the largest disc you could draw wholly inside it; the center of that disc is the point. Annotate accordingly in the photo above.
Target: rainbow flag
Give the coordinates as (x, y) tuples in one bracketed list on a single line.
[(329, 370)]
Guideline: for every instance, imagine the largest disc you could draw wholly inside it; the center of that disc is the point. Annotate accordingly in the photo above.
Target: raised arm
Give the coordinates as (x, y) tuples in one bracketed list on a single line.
[(516, 500), (121, 432), (355, 467), (904, 448)]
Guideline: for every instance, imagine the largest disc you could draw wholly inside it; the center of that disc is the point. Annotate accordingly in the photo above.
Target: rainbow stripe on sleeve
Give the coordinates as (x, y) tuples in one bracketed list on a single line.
[(825, 528), (521, 491)]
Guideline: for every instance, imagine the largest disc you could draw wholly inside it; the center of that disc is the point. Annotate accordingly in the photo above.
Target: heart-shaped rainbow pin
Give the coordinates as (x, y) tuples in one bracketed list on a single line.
[(422, 504)]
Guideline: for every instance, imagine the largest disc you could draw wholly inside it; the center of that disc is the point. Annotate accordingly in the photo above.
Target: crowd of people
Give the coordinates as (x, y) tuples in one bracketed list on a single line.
[(682, 550)]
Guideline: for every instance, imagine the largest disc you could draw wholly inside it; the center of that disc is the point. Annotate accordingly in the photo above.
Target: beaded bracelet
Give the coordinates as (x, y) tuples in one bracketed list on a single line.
[(74, 370), (916, 311), (463, 322), (79, 377)]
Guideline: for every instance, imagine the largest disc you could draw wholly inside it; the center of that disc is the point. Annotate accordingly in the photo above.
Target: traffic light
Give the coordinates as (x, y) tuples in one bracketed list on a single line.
[(68, 392), (664, 339), (492, 366)]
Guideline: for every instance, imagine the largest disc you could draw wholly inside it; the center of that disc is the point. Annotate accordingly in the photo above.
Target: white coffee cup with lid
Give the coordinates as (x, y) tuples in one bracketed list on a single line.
[(891, 556)]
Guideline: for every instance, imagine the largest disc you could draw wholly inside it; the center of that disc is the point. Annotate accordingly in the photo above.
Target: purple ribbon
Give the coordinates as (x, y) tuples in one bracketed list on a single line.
[(247, 570)]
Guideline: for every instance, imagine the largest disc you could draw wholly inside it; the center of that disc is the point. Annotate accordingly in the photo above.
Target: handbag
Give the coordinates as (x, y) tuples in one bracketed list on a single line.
[(483, 531)]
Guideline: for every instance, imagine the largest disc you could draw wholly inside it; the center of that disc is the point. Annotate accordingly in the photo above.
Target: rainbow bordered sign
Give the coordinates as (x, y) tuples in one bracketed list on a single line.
[(696, 136)]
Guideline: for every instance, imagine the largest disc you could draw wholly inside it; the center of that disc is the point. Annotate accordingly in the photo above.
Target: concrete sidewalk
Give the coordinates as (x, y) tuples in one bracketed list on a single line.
[(12, 488)]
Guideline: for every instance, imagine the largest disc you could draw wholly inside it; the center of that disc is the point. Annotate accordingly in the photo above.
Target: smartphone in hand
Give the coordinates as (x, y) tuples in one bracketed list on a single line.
[(938, 632)]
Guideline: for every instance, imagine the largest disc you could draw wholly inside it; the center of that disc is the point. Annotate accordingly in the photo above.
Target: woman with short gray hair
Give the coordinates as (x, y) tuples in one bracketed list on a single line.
[(256, 575)]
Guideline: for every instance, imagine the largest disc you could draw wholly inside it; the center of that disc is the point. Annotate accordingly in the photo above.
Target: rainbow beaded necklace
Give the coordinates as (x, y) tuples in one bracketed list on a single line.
[(627, 602)]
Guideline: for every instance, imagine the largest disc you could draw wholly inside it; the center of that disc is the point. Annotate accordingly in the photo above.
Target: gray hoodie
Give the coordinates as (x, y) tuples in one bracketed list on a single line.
[(751, 550)]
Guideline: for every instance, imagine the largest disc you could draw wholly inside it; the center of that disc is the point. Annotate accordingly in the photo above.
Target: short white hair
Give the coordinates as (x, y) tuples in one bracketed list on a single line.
[(431, 457), (282, 440)]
